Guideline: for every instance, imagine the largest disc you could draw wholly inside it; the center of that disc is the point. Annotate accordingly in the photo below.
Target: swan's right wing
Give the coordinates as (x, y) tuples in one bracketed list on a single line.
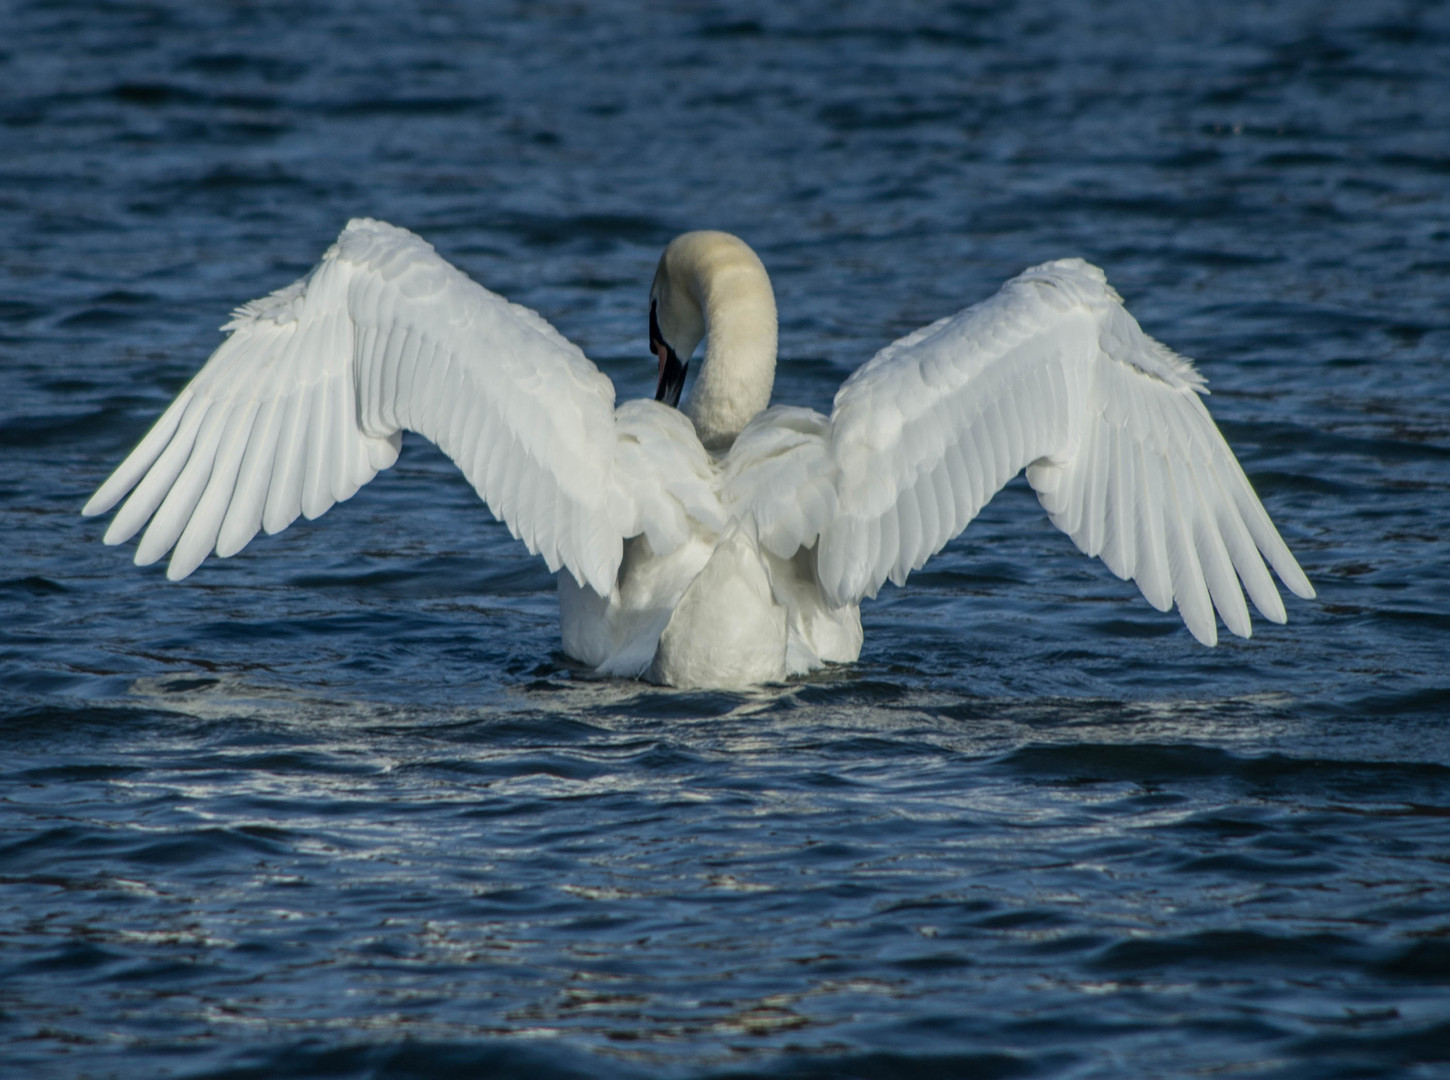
[(307, 399), (1053, 375)]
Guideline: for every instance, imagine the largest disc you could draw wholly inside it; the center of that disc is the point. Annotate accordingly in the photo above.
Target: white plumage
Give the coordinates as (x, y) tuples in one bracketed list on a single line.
[(744, 562)]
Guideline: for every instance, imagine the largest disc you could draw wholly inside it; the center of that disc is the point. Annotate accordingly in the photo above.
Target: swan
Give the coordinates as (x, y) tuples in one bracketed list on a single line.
[(728, 543)]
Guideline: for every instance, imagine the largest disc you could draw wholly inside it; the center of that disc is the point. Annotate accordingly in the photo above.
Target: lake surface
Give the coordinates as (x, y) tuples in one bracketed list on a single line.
[(339, 807)]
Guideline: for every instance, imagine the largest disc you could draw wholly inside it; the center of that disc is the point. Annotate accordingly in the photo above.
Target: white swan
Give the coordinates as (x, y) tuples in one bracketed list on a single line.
[(731, 543)]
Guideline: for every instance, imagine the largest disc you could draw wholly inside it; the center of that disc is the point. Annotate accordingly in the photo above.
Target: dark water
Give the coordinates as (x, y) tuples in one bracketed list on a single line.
[(338, 806)]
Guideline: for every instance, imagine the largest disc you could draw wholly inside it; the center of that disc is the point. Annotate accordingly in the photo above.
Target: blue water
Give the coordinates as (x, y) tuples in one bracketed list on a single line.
[(339, 807)]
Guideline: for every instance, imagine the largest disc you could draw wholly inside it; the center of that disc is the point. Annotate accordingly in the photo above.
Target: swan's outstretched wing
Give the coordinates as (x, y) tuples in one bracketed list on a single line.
[(1053, 375), (307, 398)]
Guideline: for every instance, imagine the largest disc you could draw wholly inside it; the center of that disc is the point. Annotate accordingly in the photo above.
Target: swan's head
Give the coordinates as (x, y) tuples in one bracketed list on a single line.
[(676, 321), (711, 285)]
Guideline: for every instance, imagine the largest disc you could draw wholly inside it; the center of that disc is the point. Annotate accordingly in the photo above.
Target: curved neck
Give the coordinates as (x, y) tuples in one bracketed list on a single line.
[(715, 286)]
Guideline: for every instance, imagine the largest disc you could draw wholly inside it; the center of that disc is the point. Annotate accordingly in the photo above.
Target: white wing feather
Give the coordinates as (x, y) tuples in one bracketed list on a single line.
[(306, 401), (1053, 375), (779, 472)]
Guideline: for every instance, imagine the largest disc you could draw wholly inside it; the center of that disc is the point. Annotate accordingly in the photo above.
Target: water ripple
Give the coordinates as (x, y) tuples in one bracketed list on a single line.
[(339, 806)]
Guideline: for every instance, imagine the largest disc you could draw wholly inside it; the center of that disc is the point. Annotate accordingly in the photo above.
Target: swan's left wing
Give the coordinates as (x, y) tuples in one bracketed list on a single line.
[(308, 397), (1053, 375)]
